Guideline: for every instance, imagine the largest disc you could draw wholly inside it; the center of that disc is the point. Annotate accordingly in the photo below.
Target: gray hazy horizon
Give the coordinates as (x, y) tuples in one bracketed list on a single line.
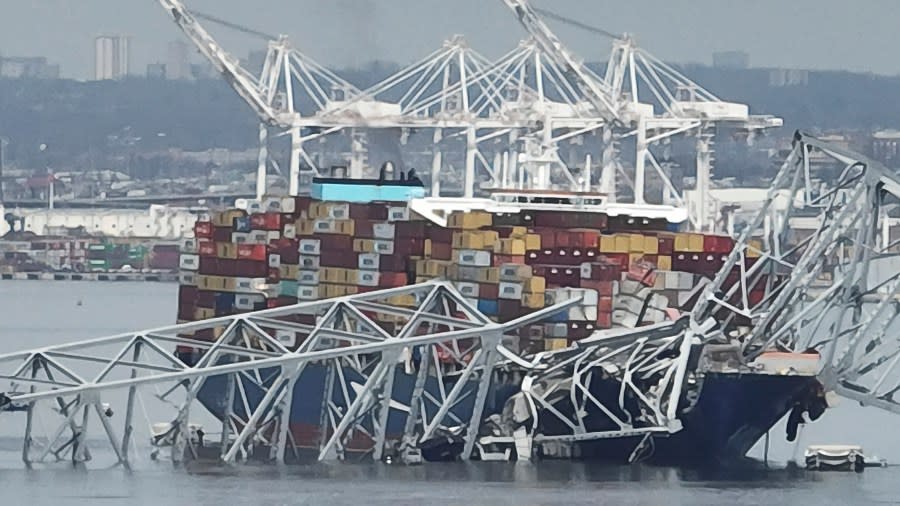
[(813, 34)]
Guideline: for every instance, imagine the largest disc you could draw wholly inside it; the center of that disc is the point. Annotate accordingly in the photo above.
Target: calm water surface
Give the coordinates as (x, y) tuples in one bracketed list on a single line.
[(36, 314)]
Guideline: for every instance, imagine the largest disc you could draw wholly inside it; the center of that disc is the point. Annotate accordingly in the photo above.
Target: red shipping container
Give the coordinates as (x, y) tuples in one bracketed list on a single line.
[(257, 252), (581, 238), (222, 234), (666, 245), (603, 288), (488, 291), (206, 298), (209, 266), (409, 246), (362, 228), (187, 295), (440, 234), (499, 260), (301, 206), (605, 304), (186, 312), (548, 237), (410, 229), (206, 248), (391, 263), (717, 244), (249, 269), (392, 279), (345, 259), (620, 259), (441, 251), (203, 229), (562, 239), (258, 221), (331, 242), (532, 257), (273, 275), (273, 221), (604, 320)]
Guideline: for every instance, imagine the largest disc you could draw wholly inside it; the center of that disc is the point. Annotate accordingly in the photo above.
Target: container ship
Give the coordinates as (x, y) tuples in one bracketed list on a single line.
[(509, 255)]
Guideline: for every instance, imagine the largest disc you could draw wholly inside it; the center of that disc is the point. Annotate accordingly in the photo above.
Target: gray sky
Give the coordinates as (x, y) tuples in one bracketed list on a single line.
[(820, 34)]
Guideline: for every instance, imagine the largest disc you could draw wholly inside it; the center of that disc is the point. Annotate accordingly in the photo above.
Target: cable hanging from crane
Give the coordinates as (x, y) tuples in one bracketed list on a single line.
[(577, 24), (234, 26)]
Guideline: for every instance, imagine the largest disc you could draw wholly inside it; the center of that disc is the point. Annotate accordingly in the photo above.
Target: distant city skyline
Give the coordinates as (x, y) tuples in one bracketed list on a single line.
[(809, 34)]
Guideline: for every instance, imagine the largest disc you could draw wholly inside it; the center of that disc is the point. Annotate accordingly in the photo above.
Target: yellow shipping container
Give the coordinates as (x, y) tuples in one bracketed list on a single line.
[(607, 244), (634, 257), (364, 246), (345, 227), (489, 275), (510, 247), (635, 243), (427, 247), (469, 220), (533, 300), (555, 343), (402, 300), (305, 226), (532, 242), (467, 240), (203, 313), (623, 243), (536, 284), (754, 248), (423, 279), (692, 243), (518, 232), (651, 245), (664, 263)]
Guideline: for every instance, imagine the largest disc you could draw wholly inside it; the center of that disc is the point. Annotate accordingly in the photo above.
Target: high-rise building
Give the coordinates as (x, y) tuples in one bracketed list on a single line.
[(18, 67), (111, 57), (178, 65)]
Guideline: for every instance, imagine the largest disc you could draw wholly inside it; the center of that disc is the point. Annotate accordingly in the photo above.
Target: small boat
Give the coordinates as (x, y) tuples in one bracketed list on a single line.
[(835, 458)]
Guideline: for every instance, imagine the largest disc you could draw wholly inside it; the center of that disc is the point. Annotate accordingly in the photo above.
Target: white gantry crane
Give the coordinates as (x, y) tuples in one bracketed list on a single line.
[(287, 77), (685, 107)]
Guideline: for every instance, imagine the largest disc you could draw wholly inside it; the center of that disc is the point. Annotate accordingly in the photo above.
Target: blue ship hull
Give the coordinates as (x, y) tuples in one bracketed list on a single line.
[(733, 411)]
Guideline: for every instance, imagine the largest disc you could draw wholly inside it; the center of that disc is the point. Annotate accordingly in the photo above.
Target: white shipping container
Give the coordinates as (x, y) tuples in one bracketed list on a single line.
[(248, 302), (271, 204), (557, 330), (310, 246), (339, 211), (258, 237), (398, 213), (288, 205), (308, 292), (384, 247), (467, 289), (325, 226), (309, 262), (286, 338), (582, 313), (367, 278), (187, 278), (240, 237), (677, 280), (515, 272), (290, 231), (272, 235), (471, 301), (189, 262), (249, 284), (475, 258), (188, 245), (383, 230), (369, 261), (308, 277), (512, 291), (274, 260)]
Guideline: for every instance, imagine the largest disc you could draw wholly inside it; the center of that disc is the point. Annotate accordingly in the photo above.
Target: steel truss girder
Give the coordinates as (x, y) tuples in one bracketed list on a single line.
[(834, 291), (78, 376)]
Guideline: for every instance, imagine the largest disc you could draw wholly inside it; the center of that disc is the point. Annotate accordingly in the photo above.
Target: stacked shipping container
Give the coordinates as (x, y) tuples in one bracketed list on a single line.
[(627, 271)]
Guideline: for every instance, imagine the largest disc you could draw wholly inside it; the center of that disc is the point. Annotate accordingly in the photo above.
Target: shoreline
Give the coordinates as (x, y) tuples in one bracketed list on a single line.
[(154, 277)]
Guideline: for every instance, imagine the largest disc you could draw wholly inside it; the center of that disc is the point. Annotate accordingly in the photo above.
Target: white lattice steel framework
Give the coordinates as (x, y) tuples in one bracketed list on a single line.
[(77, 379), (833, 289)]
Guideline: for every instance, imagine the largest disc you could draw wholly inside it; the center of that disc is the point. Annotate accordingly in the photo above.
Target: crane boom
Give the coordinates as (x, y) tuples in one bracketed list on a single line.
[(244, 83), (592, 88)]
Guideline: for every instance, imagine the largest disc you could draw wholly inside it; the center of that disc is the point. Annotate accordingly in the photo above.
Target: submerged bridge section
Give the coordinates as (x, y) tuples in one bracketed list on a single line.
[(456, 355)]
